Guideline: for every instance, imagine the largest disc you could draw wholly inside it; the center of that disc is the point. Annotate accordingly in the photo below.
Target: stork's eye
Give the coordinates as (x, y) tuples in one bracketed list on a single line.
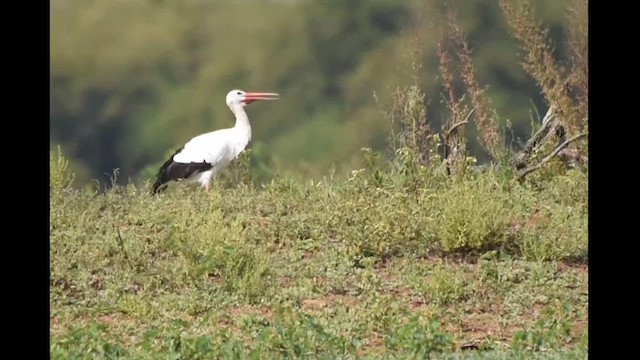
[(239, 93)]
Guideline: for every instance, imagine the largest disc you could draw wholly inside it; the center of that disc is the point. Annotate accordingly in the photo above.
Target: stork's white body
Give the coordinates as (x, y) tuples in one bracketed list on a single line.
[(207, 154), (218, 148)]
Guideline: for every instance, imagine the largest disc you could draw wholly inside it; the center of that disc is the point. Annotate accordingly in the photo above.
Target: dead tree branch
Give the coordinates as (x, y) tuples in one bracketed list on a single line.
[(541, 136), (548, 158)]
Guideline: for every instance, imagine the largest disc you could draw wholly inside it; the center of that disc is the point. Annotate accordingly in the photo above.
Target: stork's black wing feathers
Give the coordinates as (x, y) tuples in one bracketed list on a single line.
[(172, 170)]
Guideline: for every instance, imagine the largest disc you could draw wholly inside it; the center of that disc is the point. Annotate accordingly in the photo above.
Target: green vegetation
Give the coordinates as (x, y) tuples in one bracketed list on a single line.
[(416, 254), (369, 267)]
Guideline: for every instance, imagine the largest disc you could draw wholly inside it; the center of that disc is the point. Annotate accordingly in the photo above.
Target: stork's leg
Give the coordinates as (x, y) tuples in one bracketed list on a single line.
[(205, 180)]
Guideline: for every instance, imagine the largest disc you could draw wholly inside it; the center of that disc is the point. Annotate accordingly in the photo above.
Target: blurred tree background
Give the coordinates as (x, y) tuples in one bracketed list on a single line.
[(132, 80)]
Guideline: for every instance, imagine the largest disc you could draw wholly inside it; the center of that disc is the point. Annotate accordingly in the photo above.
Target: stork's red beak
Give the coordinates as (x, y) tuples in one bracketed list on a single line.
[(253, 96)]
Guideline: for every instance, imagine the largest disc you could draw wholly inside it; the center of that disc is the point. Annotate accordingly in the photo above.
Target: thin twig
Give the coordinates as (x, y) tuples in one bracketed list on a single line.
[(470, 113), (457, 125), (448, 134), (550, 156)]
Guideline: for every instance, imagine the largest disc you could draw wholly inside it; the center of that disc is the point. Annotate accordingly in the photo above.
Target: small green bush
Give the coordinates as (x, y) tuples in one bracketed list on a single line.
[(471, 215)]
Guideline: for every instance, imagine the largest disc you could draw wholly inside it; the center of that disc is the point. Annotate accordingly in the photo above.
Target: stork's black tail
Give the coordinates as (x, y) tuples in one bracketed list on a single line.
[(161, 176), (174, 171)]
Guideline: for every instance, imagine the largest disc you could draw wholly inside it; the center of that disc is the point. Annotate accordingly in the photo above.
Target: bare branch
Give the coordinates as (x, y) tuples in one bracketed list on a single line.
[(547, 121), (539, 137), (561, 147), (448, 134), (457, 125), (548, 116)]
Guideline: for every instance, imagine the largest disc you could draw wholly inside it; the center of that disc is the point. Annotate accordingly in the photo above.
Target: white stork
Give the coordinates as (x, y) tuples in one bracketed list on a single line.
[(207, 154)]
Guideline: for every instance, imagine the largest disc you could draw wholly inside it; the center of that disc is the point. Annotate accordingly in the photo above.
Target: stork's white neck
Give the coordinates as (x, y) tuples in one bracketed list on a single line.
[(243, 127)]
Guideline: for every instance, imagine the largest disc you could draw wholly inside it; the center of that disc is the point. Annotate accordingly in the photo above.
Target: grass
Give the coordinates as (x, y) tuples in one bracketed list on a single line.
[(372, 267)]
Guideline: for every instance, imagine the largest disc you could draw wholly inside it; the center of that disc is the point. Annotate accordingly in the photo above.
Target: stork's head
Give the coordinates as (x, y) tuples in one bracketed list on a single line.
[(245, 98)]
